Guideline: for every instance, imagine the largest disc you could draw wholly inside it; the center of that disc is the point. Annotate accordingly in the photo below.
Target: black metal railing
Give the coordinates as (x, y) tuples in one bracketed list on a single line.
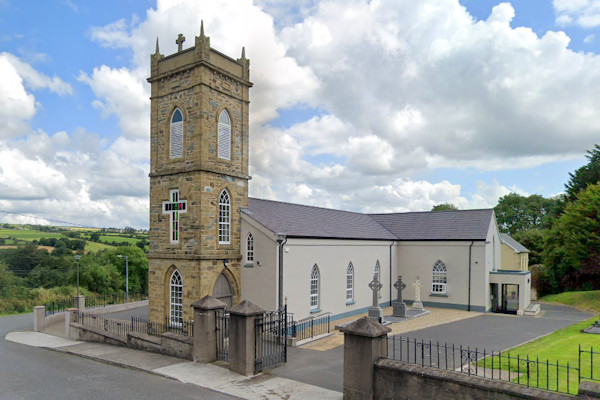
[(270, 340), (113, 326), (531, 372), (56, 307), (310, 327), (222, 322), (103, 300), (185, 328), (586, 364)]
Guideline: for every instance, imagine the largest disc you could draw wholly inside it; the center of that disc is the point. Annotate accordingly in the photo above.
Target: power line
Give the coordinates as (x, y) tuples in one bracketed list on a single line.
[(49, 219)]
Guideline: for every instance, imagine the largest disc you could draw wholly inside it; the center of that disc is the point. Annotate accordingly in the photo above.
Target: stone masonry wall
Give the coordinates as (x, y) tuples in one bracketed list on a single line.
[(201, 82)]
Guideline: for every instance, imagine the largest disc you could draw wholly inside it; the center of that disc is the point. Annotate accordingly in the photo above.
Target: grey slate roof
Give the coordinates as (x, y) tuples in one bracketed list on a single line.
[(516, 246), (305, 221), (315, 222), (438, 225)]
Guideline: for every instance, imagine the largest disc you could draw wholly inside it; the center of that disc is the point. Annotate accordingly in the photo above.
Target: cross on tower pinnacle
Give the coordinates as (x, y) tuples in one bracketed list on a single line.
[(179, 41)]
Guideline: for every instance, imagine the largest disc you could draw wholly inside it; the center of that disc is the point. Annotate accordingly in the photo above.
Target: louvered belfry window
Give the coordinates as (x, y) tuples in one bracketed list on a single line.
[(176, 134), (224, 135)]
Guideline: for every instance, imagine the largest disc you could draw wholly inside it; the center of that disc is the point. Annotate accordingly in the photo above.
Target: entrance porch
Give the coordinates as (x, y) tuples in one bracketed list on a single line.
[(510, 291)]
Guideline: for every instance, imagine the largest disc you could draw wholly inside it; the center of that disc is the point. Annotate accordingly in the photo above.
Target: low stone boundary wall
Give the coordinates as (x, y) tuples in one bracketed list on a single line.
[(398, 380), (113, 308), (171, 344)]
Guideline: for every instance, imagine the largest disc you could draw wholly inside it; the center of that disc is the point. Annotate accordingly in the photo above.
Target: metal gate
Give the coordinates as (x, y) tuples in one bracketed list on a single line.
[(270, 340), (222, 322)]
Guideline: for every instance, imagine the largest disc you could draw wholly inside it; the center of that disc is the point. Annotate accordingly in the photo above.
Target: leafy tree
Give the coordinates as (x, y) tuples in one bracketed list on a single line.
[(533, 239), (589, 174), (95, 237), (516, 213), (572, 246), (444, 207), (23, 258)]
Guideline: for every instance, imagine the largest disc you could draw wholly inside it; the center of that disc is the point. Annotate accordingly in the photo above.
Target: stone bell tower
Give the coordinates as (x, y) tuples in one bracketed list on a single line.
[(198, 176)]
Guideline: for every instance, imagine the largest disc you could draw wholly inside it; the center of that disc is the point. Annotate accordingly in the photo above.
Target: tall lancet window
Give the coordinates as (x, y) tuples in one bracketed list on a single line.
[(224, 135), (250, 248), (439, 278), (176, 134), (350, 283), (314, 288), (176, 299), (224, 218)]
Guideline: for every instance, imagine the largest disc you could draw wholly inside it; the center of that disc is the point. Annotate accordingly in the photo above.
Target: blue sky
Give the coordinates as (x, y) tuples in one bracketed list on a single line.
[(372, 106)]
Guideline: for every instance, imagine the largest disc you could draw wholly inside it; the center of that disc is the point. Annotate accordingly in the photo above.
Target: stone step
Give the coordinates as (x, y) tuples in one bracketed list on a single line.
[(532, 309)]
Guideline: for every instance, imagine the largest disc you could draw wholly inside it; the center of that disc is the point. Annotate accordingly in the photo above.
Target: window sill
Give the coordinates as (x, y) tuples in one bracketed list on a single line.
[(349, 303), (249, 265), (315, 310), (439, 294)]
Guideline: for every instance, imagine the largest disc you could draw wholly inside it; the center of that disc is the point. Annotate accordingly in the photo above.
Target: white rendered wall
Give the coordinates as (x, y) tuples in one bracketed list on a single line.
[(332, 257), (417, 259), (259, 283)]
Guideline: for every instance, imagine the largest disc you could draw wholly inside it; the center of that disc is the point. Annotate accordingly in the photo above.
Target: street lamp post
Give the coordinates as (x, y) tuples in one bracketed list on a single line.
[(281, 240), (77, 258), (126, 277)]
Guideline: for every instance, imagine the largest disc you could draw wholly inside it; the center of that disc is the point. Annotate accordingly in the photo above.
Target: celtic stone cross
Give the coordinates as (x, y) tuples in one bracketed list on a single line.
[(400, 286), (375, 286), (179, 41)]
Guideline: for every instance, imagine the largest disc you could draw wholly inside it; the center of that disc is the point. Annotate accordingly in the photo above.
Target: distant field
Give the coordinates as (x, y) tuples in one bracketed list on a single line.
[(118, 239), (28, 234), (93, 246)]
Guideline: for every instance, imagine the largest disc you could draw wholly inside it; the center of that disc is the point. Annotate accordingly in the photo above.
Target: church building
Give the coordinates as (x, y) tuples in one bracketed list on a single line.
[(208, 237)]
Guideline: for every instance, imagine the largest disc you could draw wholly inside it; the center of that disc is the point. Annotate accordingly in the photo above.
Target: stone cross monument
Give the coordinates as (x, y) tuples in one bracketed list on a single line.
[(417, 305), (375, 312), (398, 305)]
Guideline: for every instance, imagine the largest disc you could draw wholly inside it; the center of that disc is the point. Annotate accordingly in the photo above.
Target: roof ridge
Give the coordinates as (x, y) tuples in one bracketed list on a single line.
[(308, 206)]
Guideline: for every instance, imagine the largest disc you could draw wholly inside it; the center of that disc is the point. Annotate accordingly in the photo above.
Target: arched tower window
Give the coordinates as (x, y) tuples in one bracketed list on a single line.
[(176, 299), (439, 278), (250, 248), (224, 135), (350, 283), (224, 218), (314, 288), (176, 134)]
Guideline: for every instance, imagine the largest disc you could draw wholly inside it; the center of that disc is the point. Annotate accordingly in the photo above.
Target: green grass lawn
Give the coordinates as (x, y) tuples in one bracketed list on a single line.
[(543, 355), (551, 356)]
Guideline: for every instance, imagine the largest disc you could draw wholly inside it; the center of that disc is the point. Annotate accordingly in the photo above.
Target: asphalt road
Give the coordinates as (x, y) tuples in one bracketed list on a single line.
[(37, 374)]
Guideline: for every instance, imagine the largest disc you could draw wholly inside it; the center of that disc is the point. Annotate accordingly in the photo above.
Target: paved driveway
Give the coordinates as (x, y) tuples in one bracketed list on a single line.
[(490, 331)]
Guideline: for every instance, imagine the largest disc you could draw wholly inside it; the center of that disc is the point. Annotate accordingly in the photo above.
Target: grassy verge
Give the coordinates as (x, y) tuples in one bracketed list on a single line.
[(589, 300)]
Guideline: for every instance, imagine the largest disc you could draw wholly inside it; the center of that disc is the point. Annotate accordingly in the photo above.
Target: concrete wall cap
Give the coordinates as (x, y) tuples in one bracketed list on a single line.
[(209, 303), (246, 308), (365, 327)]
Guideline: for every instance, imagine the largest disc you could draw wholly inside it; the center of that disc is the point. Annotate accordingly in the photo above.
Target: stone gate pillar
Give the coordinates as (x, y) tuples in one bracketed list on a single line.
[(241, 337), (205, 329), (364, 342)]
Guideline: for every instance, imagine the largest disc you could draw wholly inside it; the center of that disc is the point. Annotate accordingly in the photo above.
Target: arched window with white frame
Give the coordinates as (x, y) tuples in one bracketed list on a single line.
[(176, 135), (176, 299), (439, 278), (350, 284), (224, 218), (314, 288), (224, 135), (250, 248)]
